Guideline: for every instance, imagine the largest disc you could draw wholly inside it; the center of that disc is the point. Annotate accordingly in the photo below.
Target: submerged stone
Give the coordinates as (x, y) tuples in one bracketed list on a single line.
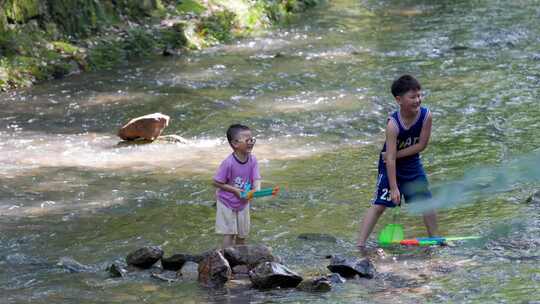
[(166, 276), (320, 237), (322, 284), (71, 265)]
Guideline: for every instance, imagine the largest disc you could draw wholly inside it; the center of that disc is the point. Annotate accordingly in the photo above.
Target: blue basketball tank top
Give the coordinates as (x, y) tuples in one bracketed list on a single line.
[(410, 167)]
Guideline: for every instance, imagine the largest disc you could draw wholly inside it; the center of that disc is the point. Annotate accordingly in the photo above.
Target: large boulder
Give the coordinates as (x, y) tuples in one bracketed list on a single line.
[(145, 257), (214, 270), (350, 267), (271, 275), (249, 255), (147, 127)]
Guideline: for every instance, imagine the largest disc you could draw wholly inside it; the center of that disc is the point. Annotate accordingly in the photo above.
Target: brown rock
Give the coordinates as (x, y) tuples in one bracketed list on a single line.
[(147, 127), (249, 255), (214, 270)]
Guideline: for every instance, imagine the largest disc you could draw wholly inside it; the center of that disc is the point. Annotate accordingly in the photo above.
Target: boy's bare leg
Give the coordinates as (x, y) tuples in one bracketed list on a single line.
[(430, 220), (370, 219), (228, 240), (240, 241)]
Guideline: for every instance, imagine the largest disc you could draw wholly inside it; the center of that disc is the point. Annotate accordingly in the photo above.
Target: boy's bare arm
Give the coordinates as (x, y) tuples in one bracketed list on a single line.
[(425, 134), (227, 187), (391, 152)]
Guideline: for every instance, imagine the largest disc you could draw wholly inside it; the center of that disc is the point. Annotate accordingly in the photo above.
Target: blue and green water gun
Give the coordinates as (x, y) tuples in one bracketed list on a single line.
[(428, 241), (249, 194)]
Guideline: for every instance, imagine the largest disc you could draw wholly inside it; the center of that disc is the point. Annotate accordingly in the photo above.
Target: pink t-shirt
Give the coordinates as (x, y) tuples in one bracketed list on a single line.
[(237, 174)]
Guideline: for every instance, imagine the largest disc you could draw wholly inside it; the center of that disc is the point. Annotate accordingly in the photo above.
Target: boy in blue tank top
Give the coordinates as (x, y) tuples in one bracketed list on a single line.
[(400, 170)]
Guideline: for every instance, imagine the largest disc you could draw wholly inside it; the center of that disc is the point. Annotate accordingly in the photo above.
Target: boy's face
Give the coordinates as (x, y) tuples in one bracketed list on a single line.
[(410, 101), (243, 142)]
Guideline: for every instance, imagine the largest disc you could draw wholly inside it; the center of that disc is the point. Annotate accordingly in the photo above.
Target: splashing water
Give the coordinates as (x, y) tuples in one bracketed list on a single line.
[(482, 182)]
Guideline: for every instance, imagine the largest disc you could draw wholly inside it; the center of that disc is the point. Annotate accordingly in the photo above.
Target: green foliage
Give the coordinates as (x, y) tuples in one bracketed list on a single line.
[(9, 45), (174, 36), (65, 47), (274, 10), (191, 6), (138, 43), (140, 9), (257, 16), (42, 37), (3, 20), (79, 18), (218, 27), (19, 11), (106, 54), (298, 6)]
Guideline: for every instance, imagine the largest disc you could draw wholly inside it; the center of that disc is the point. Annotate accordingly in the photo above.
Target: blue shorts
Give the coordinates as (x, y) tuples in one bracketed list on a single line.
[(413, 190)]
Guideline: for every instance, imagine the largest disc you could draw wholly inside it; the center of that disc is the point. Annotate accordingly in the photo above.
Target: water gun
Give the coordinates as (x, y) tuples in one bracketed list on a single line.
[(429, 241), (249, 194)]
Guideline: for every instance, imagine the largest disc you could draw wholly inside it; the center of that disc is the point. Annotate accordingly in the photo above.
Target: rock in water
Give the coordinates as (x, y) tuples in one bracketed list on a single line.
[(336, 278), (321, 284), (147, 127), (249, 255), (176, 261), (145, 257), (349, 268), (214, 270), (534, 199), (117, 270), (271, 275)]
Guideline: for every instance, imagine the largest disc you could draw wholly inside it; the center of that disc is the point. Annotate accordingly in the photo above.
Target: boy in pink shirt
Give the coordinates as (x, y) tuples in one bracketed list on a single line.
[(238, 172)]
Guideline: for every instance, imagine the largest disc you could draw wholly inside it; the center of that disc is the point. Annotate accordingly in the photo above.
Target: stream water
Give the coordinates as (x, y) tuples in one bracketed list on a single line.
[(316, 94)]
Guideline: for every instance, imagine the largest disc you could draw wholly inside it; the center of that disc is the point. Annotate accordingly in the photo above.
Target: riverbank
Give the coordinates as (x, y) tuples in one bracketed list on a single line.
[(42, 40)]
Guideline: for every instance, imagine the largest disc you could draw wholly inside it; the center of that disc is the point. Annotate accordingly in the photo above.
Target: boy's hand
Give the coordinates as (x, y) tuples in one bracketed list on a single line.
[(383, 156), (238, 192), (395, 196)]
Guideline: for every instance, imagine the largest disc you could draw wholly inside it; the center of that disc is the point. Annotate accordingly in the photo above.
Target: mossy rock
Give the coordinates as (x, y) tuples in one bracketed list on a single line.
[(19, 11)]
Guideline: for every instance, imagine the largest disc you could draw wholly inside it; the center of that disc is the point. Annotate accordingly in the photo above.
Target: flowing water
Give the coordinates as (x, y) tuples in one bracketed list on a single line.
[(316, 95)]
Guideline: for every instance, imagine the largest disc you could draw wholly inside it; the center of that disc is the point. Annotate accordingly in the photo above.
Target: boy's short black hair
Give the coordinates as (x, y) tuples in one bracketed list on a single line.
[(404, 84), (233, 131)]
